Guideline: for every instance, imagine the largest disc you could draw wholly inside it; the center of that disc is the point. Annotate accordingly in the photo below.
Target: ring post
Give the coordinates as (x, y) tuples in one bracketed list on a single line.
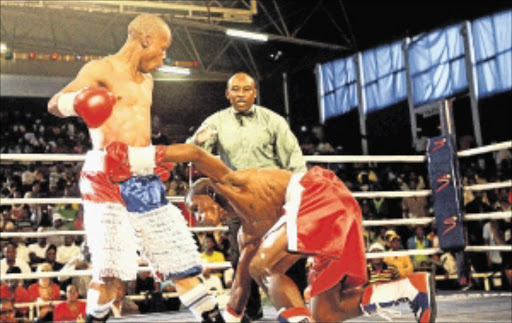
[(443, 169)]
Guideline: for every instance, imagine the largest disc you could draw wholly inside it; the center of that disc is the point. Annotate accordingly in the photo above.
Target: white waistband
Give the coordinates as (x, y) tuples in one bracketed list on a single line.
[(141, 160), (294, 186)]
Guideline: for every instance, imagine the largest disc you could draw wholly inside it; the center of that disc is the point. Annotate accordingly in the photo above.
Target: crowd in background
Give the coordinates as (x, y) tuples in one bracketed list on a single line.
[(28, 133)]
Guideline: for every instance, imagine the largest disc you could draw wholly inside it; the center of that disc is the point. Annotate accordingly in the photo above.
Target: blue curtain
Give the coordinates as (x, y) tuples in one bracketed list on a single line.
[(339, 87), (492, 42), (437, 64), (384, 76)]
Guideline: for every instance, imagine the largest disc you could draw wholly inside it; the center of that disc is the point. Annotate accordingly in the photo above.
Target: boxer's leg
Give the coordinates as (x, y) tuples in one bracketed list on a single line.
[(110, 238), (169, 246), (269, 266), (335, 304)]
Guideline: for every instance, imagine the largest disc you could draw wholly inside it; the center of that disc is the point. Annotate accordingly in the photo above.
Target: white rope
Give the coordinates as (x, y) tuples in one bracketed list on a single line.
[(485, 149), (366, 223), (487, 216), (82, 232), (42, 157), (401, 253), (226, 265), (391, 194), (177, 199), (417, 221), (488, 248), (65, 200), (365, 158), (314, 158), (88, 272), (488, 186)]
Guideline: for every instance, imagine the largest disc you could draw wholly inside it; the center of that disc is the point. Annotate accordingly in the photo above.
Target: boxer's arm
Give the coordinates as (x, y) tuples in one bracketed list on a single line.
[(205, 162), (90, 75)]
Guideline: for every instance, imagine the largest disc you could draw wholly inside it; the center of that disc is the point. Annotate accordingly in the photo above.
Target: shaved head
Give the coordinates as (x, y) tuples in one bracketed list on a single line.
[(146, 24)]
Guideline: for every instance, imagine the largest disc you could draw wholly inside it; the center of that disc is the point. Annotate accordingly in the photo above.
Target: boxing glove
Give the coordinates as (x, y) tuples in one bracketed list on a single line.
[(94, 105)]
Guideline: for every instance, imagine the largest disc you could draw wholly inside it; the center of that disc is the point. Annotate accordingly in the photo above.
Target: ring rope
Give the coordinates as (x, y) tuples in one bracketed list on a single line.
[(88, 272), (366, 223), (226, 265), (485, 149), (65, 200), (82, 232), (488, 186), (175, 199), (321, 159)]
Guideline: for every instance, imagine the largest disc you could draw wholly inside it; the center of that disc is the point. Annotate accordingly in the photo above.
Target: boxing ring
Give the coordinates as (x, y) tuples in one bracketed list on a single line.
[(453, 306)]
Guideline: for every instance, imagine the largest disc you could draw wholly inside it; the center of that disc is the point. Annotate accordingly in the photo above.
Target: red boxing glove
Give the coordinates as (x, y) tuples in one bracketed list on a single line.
[(94, 105)]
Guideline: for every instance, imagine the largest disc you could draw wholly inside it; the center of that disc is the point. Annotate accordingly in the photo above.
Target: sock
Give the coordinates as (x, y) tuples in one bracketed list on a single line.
[(198, 301), (294, 315), (94, 309), (230, 316), (387, 294)]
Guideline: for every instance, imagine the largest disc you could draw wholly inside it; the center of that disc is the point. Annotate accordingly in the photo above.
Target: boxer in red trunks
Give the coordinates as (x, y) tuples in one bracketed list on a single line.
[(125, 205), (285, 217)]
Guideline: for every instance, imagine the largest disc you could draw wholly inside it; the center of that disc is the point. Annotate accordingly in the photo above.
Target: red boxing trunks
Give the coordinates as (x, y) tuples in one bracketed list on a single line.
[(323, 219)]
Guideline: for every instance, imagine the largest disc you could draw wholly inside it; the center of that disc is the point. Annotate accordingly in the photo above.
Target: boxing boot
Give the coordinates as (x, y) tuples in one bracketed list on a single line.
[(417, 289), (91, 319), (213, 316)]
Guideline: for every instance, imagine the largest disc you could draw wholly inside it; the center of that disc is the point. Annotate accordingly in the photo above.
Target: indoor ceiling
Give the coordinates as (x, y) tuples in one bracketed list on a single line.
[(98, 27)]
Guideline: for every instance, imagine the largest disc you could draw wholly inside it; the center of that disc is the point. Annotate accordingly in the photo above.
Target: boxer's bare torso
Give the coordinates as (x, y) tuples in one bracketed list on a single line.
[(130, 121)]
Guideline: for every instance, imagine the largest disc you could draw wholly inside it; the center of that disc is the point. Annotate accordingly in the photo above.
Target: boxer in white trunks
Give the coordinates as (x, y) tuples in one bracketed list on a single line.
[(121, 180)]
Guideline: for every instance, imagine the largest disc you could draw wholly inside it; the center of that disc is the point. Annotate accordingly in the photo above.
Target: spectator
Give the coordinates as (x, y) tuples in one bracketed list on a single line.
[(82, 262), (415, 206), (378, 270), (402, 263), (44, 291), (475, 229), (71, 310), (51, 253), (145, 283), (37, 251), (79, 221), (494, 260), (67, 251), (212, 255), (57, 223), (28, 177), (418, 242), (7, 311), (123, 306), (13, 290), (21, 249), (11, 260)]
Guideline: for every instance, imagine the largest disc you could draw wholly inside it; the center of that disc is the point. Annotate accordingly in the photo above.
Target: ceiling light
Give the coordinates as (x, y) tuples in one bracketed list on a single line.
[(175, 70), (3, 47), (246, 34)]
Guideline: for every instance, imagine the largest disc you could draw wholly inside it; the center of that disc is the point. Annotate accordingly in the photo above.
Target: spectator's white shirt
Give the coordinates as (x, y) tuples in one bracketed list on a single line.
[(28, 177), (38, 250), (65, 253), (22, 252), (495, 255), (23, 265)]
